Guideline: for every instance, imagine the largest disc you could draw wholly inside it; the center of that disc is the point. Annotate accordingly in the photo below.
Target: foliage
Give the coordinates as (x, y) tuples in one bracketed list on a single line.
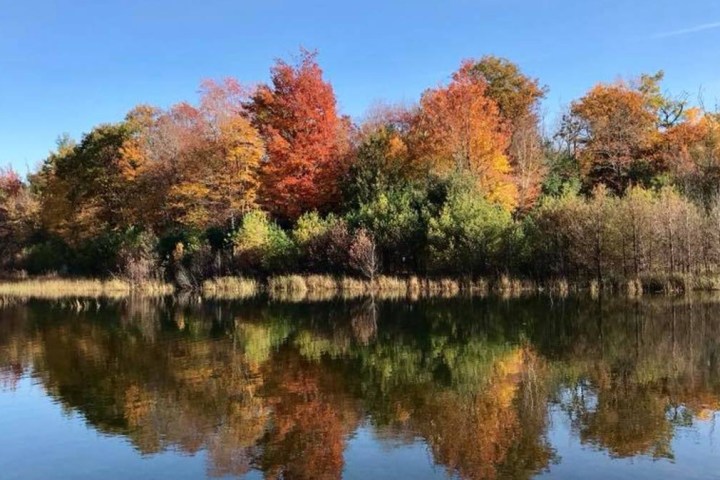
[(303, 133), (200, 164), (274, 180), (458, 130), (467, 234), (259, 245), (396, 219), (613, 129), (323, 243), (18, 212), (81, 187), (381, 162), (517, 95)]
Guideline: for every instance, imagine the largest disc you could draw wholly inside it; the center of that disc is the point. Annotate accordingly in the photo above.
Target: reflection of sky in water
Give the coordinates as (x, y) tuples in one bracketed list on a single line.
[(42, 442), (367, 457), (696, 452)]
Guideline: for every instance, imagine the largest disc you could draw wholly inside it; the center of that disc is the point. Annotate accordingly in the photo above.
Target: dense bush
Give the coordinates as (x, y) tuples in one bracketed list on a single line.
[(323, 243), (397, 219), (261, 246), (466, 237), (137, 258)]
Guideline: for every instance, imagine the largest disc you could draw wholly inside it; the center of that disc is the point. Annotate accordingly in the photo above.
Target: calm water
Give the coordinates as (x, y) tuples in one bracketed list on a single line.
[(478, 389)]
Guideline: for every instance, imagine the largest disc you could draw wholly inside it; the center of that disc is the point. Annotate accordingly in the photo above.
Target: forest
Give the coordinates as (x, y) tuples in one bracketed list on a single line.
[(469, 182)]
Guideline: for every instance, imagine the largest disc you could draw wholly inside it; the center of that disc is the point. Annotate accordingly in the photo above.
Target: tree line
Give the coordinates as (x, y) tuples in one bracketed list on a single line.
[(468, 182)]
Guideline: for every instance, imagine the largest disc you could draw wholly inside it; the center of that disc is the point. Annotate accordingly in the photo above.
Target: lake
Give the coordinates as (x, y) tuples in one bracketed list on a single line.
[(432, 389)]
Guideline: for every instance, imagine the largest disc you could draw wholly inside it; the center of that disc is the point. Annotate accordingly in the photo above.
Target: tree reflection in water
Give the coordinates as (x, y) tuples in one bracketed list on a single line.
[(282, 387)]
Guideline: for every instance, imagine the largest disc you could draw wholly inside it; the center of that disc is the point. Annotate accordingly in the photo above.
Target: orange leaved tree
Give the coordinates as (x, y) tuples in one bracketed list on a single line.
[(459, 129), (305, 138)]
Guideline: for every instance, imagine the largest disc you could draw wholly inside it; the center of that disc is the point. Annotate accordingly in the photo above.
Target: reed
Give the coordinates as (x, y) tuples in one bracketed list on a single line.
[(230, 287), (559, 287), (390, 287), (707, 282), (57, 288), (324, 287), (475, 287), (634, 288), (287, 287), (321, 283)]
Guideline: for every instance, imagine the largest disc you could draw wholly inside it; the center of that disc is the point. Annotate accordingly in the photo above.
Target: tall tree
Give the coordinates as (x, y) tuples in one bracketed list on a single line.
[(17, 216), (516, 94), (518, 97), (614, 128), (690, 151), (200, 162), (380, 162), (306, 139), (459, 129), (82, 190)]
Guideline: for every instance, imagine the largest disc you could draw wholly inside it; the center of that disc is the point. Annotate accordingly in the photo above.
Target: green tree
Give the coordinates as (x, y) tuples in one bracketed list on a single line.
[(467, 235)]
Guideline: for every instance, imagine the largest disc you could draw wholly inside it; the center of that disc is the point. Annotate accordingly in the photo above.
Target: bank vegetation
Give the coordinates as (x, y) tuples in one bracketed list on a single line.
[(272, 189)]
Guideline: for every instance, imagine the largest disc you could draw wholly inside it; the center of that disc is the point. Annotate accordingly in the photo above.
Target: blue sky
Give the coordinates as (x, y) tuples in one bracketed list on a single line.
[(66, 65)]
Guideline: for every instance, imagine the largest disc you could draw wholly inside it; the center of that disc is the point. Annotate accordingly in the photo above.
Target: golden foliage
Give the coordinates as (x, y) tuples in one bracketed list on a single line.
[(459, 129)]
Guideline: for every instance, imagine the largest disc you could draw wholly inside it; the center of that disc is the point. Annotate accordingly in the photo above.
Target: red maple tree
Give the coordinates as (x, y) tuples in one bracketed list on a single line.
[(305, 138)]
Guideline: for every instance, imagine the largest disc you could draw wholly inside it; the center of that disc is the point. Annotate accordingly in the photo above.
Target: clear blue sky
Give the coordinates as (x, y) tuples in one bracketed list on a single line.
[(66, 65)]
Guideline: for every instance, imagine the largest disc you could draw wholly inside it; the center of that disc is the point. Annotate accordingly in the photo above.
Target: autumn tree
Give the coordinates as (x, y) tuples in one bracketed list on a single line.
[(18, 209), (83, 192), (613, 128), (381, 159), (306, 139), (459, 129), (518, 98), (200, 162), (690, 151), (516, 94)]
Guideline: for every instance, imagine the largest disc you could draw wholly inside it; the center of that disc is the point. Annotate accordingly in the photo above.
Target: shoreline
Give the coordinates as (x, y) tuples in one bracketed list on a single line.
[(297, 287)]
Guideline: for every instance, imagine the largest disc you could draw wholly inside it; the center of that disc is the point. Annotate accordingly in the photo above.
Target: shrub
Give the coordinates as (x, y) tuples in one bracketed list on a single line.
[(323, 244), (363, 254), (395, 219), (138, 260), (97, 257), (467, 235), (262, 246), (51, 255)]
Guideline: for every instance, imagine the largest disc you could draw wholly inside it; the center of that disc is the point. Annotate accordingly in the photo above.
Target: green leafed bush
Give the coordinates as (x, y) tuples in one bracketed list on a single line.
[(467, 235), (261, 246)]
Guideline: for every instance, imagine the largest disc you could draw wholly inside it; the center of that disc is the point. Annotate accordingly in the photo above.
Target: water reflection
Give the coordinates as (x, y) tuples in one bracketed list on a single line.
[(281, 388)]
